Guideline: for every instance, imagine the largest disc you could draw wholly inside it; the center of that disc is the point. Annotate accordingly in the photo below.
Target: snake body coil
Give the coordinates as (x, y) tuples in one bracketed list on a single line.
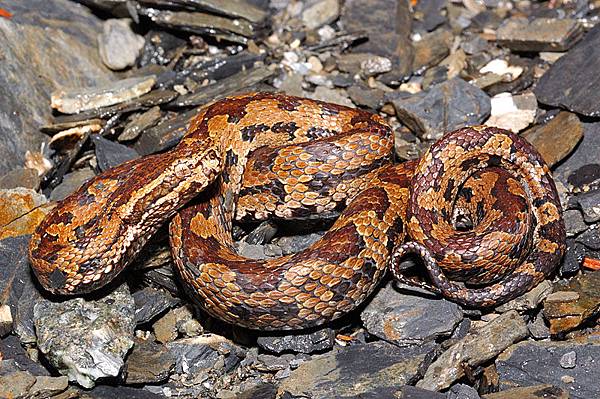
[(264, 155)]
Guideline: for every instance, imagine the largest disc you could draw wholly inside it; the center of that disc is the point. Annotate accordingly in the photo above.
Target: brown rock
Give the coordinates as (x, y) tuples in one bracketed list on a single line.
[(21, 210), (557, 138), (573, 303), (541, 34)]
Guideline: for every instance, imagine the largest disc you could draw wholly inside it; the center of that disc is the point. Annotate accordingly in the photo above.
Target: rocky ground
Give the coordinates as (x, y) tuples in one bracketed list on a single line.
[(87, 85)]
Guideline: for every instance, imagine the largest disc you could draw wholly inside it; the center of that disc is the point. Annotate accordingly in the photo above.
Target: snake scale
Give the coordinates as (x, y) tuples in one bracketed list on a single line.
[(266, 155)]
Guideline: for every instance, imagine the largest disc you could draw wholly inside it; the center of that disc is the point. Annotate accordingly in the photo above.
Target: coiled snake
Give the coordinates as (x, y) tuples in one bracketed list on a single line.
[(264, 155)]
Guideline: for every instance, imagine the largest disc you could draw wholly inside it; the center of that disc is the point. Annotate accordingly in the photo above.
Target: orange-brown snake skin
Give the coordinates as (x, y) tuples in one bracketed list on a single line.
[(267, 155)]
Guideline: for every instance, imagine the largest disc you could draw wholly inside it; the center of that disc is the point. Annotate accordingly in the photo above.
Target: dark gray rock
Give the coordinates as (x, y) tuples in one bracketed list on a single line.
[(591, 238), (540, 34), (410, 392), (119, 392), (476, 348), (46, 386), (387, 24), (409, 319), (150, 302), (571, 82), (194, 355), (71, 182), (462, 391), (532, 363), (380, 367), (590, 205), (582, 167), (17, 287), (429, 14), (139, 123), (442, 108), (90, 338), (574, 223), (538, 328), (572, 259), (148, 363), (53, 47), (11, 349), (303, 343), (110, 154)]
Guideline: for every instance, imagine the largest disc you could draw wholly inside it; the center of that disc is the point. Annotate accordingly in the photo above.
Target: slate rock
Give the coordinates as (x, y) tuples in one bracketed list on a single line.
[(573, 257), (119, 392), (90, 338), (557, 138), (17, 287), (409, 319), (11, 349), (591, 238), (70, 183), (539, 34), (429, 14), (387, 24), (574, 223), (572, 80), (319, 340), (53, 47), (573, 303), (410, 392), (542, 391), (46, 386), (442, 108), (150, 302), (148, 363), (531, 363), (572, 171), (462, 391), (476, 348), (20, 177), (110, 154), (72, 101), (16, 385), (194, 355), (320, 13), (380, 367), (590, 205)]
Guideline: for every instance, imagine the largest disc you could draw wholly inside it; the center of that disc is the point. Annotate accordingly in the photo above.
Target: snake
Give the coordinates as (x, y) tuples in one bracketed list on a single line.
[(480, 207)]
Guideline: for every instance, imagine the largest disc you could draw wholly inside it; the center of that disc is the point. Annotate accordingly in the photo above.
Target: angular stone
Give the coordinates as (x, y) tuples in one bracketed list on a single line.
[(590, 205), (476, 348), (20, 177), (387, 24), (48, 386), (543, 391), (17, 289), (540, 34), (319, 340), (573, 303), (429, 14), (139, 123), (321, 13), (572, 81), (110, 154), (78, 100), (21, 210), (581, 170), (410, 392), (148, 363), (557, 138), (42, 51), (166, 328), (90, 338), (71, 182), (512, 113), (442, 108), (6, 320), (591, 238), (432, 48), (16, 385), (532, 363), (364, 96), (378, 369), (193, 355), (150, 302), (530, 300), (12, 351), (118, 45), (409, 319), (462, 391)]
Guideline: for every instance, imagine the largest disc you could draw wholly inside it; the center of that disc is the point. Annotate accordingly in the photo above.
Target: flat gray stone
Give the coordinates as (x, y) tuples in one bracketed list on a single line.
[(119, 46), (373, 370), (531, 363), (540, 34), (409, 319), (319, 340), (443, 108), (572, 81)]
